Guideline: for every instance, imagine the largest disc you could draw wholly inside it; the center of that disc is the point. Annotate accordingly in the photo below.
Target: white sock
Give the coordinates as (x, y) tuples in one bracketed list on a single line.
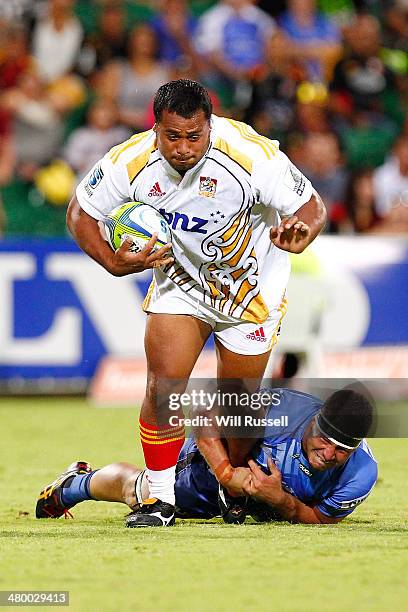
[(161, 484)]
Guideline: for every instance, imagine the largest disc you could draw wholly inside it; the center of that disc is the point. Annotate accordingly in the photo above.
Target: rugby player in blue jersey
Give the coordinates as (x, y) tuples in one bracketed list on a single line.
[(317, 469)]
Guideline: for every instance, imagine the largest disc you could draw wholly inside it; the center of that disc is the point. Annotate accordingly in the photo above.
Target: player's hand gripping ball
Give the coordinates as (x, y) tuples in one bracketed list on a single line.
[(138, 222)]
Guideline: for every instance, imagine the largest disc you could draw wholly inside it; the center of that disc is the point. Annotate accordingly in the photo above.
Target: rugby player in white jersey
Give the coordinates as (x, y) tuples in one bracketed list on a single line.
[(236, 206)]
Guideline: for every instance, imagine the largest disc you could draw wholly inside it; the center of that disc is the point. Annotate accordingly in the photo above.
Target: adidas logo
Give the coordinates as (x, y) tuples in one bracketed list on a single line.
[(258, 335), (156, 191)]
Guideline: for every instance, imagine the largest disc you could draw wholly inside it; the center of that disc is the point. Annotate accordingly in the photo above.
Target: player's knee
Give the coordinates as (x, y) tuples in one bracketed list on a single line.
[(151, 387), (159, 388)]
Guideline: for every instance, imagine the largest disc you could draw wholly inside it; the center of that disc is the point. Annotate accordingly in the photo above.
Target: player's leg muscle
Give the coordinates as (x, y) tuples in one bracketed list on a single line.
[(246, 371), (115, 483), (234, 365), (173, 344)]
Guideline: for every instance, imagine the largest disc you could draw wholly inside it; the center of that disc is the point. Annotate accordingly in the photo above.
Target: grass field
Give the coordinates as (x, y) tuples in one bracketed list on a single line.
[(360, 564)]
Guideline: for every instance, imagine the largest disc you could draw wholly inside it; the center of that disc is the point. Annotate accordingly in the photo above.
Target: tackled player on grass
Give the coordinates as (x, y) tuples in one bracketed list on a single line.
[(317, 469)]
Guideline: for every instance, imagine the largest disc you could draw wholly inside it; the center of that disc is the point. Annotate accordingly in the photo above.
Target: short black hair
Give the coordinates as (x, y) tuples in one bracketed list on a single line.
[(346, 416), (184, 97)]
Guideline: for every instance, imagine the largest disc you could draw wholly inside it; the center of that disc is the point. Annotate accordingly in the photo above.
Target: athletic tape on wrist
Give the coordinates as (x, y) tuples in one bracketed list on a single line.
[(224, 471)]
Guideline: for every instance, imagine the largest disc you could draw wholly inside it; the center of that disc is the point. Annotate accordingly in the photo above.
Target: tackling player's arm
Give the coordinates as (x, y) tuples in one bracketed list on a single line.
[(85, 230), (268, 488), (296, 232), (216, 456)]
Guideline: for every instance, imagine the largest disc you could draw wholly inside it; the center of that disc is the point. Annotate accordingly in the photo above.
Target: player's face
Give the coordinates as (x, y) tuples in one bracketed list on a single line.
[(183, 142), (321, 453)]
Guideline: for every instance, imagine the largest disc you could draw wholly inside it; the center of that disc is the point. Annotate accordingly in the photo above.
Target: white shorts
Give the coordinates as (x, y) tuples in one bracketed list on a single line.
[(237, 336)]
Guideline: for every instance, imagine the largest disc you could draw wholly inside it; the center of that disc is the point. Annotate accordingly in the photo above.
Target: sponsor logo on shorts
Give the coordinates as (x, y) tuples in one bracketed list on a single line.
[(258, 335), (208, 187)]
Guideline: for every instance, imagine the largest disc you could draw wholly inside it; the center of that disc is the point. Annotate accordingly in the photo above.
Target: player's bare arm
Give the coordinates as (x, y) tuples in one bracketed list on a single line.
[(295, 233), (123, 261), (216, 456), (268, 488)]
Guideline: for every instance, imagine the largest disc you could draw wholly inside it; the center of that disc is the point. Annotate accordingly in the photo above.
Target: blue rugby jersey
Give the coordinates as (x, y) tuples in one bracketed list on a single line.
[(335, 492)]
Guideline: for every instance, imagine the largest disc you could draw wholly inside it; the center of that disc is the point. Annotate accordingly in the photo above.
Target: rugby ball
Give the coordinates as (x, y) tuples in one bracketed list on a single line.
[(138, 222)]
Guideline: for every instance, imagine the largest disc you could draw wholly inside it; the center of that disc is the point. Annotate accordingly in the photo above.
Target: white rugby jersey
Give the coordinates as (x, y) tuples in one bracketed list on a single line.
[(219, 213)]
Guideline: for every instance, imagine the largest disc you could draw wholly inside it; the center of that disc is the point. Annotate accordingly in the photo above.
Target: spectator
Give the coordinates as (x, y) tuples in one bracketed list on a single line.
[(274, 9), (361, 78), (57, 40), (89, 143), (175, 26), (15, 58), (312, 112), (232, 37), (324, 166), (294, 148), (360, 201), (21, 12), (7, 161), (272, 107), (108, 42), (364, 97), (316, 39), (339, 11), (68, 93), (396, 21), (133, 83), (391, 181), (36, 125), (396, 222)]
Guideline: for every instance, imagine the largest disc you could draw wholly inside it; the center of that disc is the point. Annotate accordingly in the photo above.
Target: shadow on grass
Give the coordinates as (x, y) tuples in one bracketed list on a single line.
[(208, 529)]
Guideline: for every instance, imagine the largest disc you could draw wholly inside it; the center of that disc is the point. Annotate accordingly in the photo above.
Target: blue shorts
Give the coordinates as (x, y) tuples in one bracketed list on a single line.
[(196, 486)]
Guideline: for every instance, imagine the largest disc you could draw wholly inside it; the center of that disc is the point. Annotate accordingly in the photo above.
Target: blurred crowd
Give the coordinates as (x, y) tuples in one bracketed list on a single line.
[(327, 78)]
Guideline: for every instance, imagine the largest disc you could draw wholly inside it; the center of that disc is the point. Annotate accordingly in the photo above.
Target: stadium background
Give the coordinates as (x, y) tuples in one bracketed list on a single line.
[(78, 77)]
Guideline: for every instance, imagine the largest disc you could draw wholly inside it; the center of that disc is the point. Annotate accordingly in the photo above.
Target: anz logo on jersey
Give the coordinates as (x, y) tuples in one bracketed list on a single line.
[(182, 221)]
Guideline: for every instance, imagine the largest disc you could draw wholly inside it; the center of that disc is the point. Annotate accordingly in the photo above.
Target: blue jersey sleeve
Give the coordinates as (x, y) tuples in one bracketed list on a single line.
[(352, 488)]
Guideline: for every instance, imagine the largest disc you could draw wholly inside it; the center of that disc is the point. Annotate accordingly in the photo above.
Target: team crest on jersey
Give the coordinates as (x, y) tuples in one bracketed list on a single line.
[(208, 187)]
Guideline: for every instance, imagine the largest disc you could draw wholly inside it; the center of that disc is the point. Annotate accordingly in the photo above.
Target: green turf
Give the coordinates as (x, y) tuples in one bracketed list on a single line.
[(359, 564)]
